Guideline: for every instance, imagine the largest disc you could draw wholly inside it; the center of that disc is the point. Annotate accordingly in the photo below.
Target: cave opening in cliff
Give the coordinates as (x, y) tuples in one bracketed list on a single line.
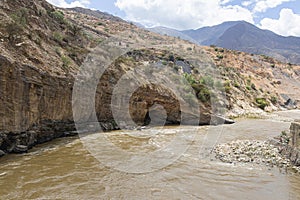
[(158, 121), (158, 109)]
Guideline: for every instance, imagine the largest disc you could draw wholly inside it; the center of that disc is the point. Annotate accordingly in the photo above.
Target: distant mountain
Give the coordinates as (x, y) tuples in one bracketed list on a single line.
[(209, 35), (243, 36), (172, 32)]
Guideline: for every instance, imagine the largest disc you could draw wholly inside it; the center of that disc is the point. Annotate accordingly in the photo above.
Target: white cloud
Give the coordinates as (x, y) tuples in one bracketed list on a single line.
[(64, 4), (182, 14), (286, 25), (246, 3), (264, 5), (223, 2)]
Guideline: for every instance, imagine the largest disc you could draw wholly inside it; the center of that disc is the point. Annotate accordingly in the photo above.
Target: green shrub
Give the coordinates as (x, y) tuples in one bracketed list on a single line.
[(190, 78), (274, 99), (21, 16), (204, 95), (236, 84), (197, 87), (164, 62), (261, 103), (58, 15), (58, 37), (207, 80), (228, 88), (220, 56), (66, 61)]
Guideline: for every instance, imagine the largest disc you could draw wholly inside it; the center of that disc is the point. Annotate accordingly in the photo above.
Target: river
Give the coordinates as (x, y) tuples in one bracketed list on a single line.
[(65, 169)]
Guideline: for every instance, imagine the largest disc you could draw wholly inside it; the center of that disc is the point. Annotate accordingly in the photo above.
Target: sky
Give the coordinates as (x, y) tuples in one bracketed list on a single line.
[(279, 16)]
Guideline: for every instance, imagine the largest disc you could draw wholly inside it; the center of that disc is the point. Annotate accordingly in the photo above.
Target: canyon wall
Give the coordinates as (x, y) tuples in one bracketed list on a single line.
[(34, 106)]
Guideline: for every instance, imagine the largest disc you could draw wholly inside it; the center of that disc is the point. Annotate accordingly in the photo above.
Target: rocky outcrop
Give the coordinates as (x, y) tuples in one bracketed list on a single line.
[(288, 145), (295, 132)]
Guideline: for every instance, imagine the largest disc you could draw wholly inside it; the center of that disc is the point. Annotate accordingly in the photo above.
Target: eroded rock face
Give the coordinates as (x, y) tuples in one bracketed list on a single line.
[(36, 107), (30, 96), (295, 131)]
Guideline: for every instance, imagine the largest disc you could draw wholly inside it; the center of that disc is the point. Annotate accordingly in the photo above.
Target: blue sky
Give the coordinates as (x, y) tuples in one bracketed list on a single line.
[(280, 16)]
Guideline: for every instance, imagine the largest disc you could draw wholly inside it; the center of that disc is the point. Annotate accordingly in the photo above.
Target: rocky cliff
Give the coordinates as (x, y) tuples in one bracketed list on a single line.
[(295, 132), (43, 49)]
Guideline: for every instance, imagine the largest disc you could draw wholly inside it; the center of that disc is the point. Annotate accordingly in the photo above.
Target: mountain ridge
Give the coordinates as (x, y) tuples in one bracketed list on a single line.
[(244, 36)]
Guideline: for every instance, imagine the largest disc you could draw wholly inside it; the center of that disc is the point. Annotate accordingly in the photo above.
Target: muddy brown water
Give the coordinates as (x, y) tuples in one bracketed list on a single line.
[(65, 169)]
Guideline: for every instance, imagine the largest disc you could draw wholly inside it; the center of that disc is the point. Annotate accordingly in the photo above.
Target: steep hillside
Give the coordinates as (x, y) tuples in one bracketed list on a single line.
[(45, 51)]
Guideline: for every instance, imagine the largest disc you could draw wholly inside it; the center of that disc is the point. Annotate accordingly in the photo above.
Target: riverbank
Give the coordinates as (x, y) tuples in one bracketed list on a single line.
[(282, 151), (269, 153)]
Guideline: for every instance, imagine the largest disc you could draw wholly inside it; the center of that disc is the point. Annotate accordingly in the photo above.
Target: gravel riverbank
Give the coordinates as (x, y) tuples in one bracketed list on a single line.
[(252, 151)]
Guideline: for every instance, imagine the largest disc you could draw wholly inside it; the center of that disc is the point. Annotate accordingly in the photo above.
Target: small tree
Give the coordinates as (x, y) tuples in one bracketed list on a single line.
[(14, 30)]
